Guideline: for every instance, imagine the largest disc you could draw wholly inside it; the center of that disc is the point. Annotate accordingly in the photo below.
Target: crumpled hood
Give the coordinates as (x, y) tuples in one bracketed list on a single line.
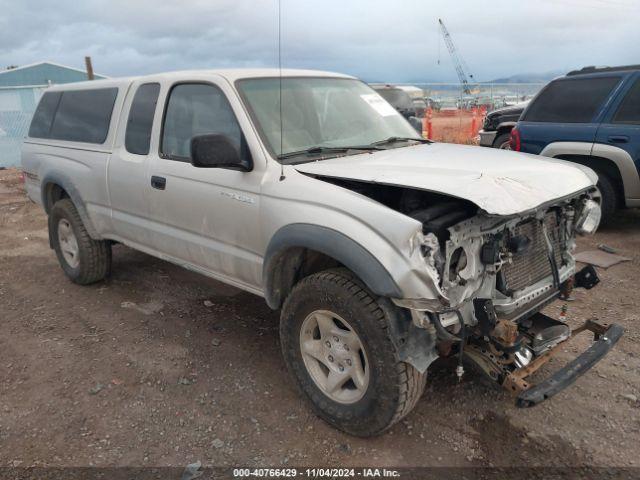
[(500, 182)]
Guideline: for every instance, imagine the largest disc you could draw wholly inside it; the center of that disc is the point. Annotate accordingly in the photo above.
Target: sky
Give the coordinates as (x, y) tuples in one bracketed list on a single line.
[(392, 41)]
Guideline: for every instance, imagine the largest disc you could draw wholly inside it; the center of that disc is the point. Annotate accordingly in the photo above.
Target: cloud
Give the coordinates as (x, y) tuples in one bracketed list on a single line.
[(376, 40)]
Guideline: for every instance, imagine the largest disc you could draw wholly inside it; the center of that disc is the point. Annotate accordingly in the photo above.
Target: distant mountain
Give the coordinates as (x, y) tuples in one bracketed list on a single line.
[(529, 77)]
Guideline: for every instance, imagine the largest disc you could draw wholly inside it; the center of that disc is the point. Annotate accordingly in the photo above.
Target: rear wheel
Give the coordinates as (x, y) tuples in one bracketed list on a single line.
[(608, 198), (336, 344), (83, 259)]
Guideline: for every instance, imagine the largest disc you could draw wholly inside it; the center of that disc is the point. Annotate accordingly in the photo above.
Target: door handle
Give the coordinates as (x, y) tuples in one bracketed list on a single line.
[(618, 139), (158, 182)]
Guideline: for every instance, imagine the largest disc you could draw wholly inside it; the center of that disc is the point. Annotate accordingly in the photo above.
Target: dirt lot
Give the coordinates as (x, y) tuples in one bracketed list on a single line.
[(160, 366)]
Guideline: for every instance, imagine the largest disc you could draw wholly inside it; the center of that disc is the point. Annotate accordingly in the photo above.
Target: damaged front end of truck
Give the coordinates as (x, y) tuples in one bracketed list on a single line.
[(494, 276), (489, 277)]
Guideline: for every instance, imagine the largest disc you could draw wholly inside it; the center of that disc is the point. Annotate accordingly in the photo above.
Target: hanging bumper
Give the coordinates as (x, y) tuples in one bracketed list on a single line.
[(528, 395)]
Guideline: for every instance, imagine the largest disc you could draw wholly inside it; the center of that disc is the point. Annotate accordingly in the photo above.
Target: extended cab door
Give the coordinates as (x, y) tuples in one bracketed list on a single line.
[(567, 110), (618, 137), (206, 218), (127, 172)]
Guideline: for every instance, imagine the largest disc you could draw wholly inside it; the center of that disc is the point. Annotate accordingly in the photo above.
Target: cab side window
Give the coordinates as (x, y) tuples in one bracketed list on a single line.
[(629, 110), (197, 109), (143, 107)]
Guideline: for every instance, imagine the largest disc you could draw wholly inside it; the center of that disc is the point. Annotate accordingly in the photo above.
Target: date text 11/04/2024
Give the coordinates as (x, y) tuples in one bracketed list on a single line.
[(316, 472)]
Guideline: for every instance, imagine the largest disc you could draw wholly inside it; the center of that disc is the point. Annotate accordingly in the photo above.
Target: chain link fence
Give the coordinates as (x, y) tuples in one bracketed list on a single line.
[(17, 105), (453, 116), (490, 95)]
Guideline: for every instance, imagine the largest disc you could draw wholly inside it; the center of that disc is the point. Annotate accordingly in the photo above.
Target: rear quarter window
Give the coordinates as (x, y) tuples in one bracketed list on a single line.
[(575, 100), (629, 110), (74, 115), (140, 122)]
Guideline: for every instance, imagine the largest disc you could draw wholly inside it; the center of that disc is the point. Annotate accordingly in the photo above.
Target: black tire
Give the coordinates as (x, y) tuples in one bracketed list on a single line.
[(394, 387), (94, 255), (502, 141), (609, 202)]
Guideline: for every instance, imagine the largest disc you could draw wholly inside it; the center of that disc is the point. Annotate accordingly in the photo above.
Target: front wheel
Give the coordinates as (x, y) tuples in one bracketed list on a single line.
[(503, 142), (335, 341)]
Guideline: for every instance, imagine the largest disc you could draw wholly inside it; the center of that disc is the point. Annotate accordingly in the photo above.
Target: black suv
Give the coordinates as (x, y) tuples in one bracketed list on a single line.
[(497, 126)]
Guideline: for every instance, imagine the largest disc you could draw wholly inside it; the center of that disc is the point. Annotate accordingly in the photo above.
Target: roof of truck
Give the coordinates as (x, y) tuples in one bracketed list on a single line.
[(230, 74)]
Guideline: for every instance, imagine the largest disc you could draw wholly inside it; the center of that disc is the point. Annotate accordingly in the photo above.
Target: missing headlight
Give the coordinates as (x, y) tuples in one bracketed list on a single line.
[(457, 263)]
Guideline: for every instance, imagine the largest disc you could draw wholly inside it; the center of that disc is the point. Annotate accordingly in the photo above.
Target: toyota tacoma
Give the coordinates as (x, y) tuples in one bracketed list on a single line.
[(383, 251)]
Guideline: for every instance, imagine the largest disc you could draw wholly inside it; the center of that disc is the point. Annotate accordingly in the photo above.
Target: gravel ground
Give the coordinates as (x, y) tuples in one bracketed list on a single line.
[(160, 366)]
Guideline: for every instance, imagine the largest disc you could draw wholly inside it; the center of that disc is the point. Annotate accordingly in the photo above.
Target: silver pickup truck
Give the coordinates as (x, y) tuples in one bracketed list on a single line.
[(384, 251)]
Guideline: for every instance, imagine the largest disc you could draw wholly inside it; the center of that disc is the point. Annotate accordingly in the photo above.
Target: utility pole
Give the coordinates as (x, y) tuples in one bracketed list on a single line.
[(87, 62)]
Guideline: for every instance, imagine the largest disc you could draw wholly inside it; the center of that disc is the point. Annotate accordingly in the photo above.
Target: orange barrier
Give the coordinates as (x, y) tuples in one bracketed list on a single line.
[(427, 125), (453, 125), (474, 122)]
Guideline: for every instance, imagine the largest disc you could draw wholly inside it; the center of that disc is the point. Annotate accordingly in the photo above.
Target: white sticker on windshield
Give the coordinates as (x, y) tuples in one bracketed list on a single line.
[(379, 104)]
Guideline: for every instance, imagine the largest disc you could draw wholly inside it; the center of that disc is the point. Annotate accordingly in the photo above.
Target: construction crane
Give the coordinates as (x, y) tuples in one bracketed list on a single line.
[(458, 62)]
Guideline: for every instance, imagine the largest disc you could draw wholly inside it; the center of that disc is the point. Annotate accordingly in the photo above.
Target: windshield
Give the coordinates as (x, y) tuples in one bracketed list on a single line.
[(320, 112)]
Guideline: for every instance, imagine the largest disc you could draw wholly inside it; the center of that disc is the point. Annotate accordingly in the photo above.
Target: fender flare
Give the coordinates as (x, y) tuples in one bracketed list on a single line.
[(625, 164), (554, 149), (620, 157), (278, 271), (67, 185), (509, 125)]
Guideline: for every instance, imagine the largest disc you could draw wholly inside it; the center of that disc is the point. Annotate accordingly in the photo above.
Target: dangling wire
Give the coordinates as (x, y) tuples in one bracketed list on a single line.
[(280, 81)]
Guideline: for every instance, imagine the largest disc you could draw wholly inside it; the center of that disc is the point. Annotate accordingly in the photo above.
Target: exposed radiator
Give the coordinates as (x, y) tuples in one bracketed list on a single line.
[(533, 265)]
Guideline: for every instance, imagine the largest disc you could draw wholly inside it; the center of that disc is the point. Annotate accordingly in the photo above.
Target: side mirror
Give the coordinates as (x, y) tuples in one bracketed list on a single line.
[(216, 151)]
